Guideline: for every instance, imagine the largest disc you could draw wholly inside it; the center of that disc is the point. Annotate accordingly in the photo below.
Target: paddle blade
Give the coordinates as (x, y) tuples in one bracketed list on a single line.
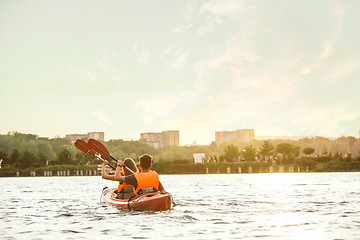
[(99, 147), (84, 147)]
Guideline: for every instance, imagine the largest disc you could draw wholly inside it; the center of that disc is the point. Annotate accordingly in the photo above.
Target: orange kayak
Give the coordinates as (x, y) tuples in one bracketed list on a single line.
[(154, 201)]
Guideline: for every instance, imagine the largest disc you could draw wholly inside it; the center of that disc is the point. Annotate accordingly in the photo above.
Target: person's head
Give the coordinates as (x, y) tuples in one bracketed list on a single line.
[(145, 161), (129, 162)]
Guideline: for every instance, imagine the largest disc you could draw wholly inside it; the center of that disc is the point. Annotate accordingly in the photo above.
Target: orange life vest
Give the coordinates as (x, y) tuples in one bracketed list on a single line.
[(122, 185), (146, 180)]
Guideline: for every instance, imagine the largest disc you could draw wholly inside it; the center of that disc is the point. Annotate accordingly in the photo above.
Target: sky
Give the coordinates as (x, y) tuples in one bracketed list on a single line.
[(282, 67)]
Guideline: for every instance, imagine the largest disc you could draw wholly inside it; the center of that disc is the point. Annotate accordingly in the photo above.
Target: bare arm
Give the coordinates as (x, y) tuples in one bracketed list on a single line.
[(118, 177), (161, 188), (106, 176)]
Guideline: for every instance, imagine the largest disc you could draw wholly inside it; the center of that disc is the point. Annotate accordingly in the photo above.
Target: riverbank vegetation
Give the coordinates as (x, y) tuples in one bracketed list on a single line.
[(23, 153)]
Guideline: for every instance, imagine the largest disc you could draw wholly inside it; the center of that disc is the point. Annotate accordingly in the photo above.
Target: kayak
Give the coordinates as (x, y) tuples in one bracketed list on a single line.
[(154, 201)]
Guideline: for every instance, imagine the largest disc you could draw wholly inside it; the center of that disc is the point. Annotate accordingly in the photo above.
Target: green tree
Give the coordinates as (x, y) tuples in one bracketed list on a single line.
[(26, 160), (267, 148), (289, 152), (65, 157), (308, 150), (58, 144), (15, 157), (231, 153), (4, 157), (82, 158), (45, 148), (249, 153), (41, 160)]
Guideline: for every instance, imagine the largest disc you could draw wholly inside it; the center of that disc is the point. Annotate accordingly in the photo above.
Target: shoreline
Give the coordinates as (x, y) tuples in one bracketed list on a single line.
[(168, 168)]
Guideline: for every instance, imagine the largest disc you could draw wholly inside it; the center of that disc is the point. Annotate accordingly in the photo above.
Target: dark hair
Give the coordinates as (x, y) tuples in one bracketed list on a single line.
[(145, 161), (129, 162)]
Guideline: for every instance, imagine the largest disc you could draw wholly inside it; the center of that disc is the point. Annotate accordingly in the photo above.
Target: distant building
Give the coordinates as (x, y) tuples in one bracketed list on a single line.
[(161, 139), (94, 135), (151, 138), (240, 135), (97, 135)]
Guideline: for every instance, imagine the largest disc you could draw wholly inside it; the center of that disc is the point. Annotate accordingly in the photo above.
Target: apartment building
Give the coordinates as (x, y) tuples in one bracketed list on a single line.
[(161, 139), (240, 135), (94, 135)]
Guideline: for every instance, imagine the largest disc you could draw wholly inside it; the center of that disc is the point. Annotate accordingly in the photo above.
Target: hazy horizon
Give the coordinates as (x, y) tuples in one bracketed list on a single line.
[(283, 68)]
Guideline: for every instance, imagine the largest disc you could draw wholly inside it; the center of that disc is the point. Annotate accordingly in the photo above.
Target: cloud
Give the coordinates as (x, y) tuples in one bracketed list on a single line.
[(316, 58), (239, 53), (103, 63), (135, 48), (222, 7), (208, 26), (101, 68), (143, 57), (91, 76), (156, 110), (180, 59), (338, 11), (325, 121), (188, 19), (214, 13), (165, 53), (182, 28), (102, 117)]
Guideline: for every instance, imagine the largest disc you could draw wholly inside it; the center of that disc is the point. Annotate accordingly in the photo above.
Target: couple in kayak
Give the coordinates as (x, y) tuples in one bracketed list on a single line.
[(131, 180)]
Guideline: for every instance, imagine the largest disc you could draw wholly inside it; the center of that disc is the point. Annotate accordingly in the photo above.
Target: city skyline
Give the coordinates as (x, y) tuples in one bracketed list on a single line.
[(74, 136), (286, 68)]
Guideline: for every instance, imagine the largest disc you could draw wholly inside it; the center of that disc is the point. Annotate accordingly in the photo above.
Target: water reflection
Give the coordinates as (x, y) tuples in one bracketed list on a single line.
[(287, 206)]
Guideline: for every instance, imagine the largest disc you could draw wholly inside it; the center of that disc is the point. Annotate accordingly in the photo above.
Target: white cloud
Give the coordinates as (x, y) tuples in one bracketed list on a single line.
[(156, 110), (314, 60), (104, 62), (90, 75), (222, 7), (102, 117), (182, 28), (180, 60), (325, 121), (208, 26), (338, 11), (72, 67), (135, 48), (165, 53), (144, 56), (188, 19), (239, 52)]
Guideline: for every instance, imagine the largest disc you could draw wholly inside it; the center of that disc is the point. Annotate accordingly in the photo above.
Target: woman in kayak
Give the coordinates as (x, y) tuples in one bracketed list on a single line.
[(145, 181), (124, 168)]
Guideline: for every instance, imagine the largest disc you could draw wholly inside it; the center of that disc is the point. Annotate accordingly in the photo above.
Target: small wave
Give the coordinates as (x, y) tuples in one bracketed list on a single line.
[(188, 218), (222, 222), (64, 215), (71, 231), (25, 232)]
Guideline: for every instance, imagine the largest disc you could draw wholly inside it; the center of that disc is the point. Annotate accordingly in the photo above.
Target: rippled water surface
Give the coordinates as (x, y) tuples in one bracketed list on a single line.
[(236, 206)]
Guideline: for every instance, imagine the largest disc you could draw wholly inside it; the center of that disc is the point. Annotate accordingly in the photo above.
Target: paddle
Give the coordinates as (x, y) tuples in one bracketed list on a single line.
[(86, 148), (101, 149)]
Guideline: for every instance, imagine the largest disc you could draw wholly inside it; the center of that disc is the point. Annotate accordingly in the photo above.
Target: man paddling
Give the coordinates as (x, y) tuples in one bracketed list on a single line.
[(145, 181)]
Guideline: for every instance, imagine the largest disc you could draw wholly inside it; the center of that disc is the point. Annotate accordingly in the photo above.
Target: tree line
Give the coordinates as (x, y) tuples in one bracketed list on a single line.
[(23, 151)]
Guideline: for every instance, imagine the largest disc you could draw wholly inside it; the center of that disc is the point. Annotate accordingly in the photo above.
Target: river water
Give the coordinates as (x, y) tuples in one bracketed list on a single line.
[(223, 206)]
